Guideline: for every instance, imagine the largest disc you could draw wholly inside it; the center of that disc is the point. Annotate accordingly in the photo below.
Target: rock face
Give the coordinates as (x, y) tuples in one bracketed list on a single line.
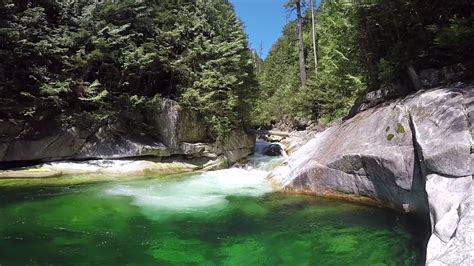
[(172, 132), (426, 79), (412, 154), (297, 139), (176, 125)]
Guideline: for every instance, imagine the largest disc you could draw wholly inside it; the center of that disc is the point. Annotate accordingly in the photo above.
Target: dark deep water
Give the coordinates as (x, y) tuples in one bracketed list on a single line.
[(227, 217)]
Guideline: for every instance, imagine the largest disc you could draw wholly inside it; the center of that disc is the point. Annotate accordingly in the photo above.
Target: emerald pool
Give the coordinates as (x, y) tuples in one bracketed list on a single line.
[(226, 217)]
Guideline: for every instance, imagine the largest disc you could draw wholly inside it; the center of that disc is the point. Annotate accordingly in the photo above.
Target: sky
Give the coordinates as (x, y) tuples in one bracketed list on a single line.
[(263, 21)]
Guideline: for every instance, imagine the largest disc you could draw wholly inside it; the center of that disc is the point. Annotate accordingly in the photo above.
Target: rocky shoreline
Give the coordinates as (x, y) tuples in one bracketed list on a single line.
[(176, 141), (413, 155)]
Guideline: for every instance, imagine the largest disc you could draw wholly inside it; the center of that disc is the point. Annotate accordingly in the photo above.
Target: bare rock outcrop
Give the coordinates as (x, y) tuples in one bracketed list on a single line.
[(412, 154), (169, 131)]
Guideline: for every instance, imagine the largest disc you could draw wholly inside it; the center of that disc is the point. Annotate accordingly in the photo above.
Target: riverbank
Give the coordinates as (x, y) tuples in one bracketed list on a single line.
[(413, 155), (231, 216), (66, 173)]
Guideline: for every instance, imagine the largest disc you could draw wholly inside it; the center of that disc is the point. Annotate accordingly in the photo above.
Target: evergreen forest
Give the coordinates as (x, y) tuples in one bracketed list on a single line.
[(99, 59)]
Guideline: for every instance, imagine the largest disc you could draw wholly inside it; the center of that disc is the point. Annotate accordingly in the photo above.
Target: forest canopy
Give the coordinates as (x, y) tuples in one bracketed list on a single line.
[(361, 45), (97, 58)]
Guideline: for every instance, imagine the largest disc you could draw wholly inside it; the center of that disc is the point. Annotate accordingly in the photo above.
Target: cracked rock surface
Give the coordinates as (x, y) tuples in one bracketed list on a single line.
[(412, 154)]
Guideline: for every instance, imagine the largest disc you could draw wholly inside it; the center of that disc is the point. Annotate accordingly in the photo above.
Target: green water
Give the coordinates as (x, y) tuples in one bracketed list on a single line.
[(206, 219)]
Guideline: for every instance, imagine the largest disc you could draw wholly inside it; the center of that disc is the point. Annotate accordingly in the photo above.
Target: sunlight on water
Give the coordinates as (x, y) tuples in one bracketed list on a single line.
[(197, 192), (202, 191)]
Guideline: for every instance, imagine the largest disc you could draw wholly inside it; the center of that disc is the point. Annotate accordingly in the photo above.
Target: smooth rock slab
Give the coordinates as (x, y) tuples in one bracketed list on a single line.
[(412, 154), (459, 250), (442, 131)]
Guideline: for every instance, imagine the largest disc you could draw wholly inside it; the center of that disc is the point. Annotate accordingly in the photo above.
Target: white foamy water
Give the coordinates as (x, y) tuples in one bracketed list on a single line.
[(200, 192), (196, 192), (92, 166)]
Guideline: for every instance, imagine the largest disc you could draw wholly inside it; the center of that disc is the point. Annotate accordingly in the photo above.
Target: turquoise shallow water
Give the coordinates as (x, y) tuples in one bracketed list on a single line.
[(229, 217)]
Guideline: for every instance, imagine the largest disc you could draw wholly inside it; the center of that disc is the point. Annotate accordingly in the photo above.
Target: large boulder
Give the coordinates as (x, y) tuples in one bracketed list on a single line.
[(412, 154), (273, 149)]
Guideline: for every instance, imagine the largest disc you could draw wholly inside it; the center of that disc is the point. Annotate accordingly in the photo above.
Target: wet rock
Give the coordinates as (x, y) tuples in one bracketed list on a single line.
[(74, 173), (30, 173), (272, 150)]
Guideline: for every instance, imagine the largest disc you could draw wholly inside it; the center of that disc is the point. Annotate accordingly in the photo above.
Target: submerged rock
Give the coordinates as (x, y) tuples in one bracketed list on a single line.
[(412, 154)]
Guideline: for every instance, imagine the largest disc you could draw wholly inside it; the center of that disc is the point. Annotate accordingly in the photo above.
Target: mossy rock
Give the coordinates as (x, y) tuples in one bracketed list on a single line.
[(400, 129), (390, 137)]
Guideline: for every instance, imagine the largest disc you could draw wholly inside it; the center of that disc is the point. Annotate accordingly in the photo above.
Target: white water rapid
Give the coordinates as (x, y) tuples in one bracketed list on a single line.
[(197, 193)]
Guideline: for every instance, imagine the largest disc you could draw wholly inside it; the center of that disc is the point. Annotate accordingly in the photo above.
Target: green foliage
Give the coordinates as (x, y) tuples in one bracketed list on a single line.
[(387, 70), (278, 78), (361, 45), (90, 55), (94, 93), (340, 78), (55, 87), (223, 77), (459, 33), (104, 57), (396, 34)]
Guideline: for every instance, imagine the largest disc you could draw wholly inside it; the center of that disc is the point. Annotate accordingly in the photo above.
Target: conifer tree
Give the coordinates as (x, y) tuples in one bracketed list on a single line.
[(88, 57)]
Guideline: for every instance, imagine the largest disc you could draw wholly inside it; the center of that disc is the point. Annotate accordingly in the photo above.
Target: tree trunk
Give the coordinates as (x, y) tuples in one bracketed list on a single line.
[(268, 132), (314, 39), (299, 29), (415, 80)]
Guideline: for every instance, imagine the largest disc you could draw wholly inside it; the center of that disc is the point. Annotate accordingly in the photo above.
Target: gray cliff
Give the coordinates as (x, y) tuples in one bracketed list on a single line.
[(171, 132)]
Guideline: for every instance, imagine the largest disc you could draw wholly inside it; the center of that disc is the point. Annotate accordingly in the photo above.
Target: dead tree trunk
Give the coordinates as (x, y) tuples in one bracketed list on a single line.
[(299, 29), (314, 39)]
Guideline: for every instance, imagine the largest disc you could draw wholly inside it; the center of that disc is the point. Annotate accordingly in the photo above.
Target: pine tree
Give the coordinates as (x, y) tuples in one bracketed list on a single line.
[(88, 57)]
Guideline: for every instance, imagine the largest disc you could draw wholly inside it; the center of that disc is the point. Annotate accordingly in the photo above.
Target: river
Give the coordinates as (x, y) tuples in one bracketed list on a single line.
[(224, 217)]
